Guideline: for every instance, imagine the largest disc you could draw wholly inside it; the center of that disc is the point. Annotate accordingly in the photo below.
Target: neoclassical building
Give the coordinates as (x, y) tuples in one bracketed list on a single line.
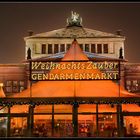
[(70, 108), (54, 44)]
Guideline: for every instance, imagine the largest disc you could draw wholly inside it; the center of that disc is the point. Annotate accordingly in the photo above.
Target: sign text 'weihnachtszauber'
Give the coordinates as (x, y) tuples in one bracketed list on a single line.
[(69, 70)]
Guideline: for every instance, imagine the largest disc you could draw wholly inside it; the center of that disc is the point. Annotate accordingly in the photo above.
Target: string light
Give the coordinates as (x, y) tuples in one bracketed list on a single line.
[(5, 102)]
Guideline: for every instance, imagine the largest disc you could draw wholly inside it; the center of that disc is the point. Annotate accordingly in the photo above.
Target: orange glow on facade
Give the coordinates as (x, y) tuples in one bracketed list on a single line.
[(70, 106), (93, 88)]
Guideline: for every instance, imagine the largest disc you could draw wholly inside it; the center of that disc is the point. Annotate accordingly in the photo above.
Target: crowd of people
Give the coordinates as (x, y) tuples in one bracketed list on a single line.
[(61, 129), (40, 130)]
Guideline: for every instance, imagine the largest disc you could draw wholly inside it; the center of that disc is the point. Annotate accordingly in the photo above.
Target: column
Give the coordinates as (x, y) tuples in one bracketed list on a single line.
[(122, 74), (52, 48), (83, 47), (52, 120), (47, 48), (119, 120), (97, 126), (59, 48), (102, 48), (8, 122), (30, 123), (90, 47), (75, 119), (95, 48), (65, 47)]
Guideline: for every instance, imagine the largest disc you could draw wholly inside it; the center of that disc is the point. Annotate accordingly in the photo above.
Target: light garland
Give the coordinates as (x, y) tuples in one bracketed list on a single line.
[(33, 103)]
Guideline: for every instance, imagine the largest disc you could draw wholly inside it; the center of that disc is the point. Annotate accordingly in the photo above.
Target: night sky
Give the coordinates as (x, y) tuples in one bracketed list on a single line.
[(17, 18)]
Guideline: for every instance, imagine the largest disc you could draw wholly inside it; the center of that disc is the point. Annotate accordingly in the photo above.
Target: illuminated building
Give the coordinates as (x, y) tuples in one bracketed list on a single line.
[(84, 108)]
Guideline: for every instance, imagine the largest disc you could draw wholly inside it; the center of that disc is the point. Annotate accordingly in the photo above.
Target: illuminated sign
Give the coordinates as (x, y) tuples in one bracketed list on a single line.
[(74, 70)]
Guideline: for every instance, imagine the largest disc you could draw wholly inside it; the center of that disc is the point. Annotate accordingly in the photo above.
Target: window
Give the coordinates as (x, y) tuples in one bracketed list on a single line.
[(8, 89), (128, 82), (49, 48), (135, 82), (81, 46), (15, 83), (9, 83), (105, 48), (68, 46), (14, 86), (55, 48), (93, 48), (8, 86), (99, 48), (87, 47), (21, 86), (15, 89), (62, 47), (43, 49), (21, 83)]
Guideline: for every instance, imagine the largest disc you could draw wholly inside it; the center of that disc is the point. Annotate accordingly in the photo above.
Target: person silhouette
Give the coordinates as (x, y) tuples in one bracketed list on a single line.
[(131, 129)]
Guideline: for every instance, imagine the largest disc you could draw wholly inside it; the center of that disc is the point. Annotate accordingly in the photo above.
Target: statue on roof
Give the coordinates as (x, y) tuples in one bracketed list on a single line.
[(75, 19), (74, 16), (28, 54), (121, 53)]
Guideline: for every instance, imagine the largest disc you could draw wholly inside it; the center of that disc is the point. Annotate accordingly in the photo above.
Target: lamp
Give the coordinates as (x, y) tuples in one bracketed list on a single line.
[(1, 84)]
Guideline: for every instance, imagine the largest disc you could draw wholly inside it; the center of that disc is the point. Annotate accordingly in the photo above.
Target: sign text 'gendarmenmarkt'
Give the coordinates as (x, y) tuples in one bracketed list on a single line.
[(69, 70)]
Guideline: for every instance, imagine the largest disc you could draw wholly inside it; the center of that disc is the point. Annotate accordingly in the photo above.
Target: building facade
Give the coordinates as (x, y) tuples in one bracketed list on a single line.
[(54, 44), (72, 108)]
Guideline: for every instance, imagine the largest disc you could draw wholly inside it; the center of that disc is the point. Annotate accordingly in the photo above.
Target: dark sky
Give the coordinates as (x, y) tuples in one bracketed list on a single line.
[(17, 18)]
